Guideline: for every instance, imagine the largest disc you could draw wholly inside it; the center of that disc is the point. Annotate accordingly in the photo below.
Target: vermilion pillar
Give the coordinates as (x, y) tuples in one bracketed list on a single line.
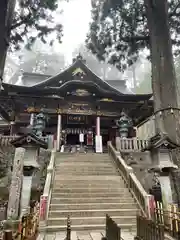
[(59, 132), (98, 126)]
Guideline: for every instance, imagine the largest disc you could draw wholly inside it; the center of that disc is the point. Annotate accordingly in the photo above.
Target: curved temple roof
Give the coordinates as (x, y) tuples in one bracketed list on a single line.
[(76, 76)]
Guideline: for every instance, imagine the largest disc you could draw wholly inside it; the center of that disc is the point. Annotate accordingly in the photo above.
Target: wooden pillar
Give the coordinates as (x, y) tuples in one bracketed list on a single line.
[(59, 128), (98, 138), (98, 126)]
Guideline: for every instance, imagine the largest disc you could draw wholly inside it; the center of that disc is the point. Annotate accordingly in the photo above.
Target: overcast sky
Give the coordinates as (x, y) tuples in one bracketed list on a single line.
[(75, 19)]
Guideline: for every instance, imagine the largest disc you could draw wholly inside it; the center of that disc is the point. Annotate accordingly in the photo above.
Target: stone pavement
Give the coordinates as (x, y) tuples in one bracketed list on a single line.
[(83, 235)]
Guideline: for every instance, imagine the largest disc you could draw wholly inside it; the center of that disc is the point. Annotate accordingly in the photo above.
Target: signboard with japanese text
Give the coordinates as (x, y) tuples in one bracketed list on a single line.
[(76, 119)]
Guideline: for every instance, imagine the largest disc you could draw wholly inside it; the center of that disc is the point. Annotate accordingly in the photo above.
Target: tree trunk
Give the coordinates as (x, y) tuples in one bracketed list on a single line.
[(6, 17), (164, 83)]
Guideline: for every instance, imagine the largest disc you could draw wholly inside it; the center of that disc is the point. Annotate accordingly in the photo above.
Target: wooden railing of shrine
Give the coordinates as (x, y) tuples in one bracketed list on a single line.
[(142, 198), (131, 144), (168, 217), (25, 228), (147, 229)]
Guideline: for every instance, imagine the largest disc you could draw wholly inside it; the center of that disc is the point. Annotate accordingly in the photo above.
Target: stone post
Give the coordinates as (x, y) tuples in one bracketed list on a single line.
[(16, 185), (29, 167)]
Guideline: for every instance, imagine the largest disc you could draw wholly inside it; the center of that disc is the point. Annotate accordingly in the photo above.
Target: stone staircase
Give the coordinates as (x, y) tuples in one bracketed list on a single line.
[(86, 187)]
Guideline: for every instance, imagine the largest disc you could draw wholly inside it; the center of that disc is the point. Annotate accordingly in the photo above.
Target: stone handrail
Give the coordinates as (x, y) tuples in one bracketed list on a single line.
[(141, 196), (131, 144), (46, 197)]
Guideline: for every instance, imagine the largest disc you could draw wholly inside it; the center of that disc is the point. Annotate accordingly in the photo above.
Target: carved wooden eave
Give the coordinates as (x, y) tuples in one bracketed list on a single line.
[(29, 139), (160, 141)]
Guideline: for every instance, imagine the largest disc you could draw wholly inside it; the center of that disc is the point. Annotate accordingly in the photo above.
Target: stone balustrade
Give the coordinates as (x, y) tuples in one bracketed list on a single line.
[(131, 144), (46, 197), (5, 140), (140, 195)]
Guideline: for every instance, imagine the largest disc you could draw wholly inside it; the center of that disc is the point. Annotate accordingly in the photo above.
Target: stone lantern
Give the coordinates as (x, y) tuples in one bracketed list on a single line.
[(160, 147), (124, 124)]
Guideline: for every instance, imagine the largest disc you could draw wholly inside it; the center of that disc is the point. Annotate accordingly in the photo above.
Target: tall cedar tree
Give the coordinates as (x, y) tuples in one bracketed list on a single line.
[(121, 29), (30, 16)]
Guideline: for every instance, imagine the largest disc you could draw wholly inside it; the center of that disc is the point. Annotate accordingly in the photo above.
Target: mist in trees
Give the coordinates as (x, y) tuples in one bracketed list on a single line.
[(40, 59)]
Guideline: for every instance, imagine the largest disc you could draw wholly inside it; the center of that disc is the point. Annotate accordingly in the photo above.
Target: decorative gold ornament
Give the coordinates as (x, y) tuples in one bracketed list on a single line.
[(59, 111), (107, 100), (30, 109), (78, 71)]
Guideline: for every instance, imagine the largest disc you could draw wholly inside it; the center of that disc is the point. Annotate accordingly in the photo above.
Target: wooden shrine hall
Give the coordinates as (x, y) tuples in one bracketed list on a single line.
[(76, 101)]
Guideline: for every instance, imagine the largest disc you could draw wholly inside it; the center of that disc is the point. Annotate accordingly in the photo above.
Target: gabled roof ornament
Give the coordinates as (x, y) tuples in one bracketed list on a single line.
[(79, 57)]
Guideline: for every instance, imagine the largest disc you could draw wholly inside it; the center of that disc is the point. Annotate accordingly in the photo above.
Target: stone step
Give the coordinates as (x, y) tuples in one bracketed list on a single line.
[(75, 182), (84, 159), (101, 205), (90, 195), (88, 179), (87, 169), (80, 155), (84, 164), (89, 189), (81, 173), (91, 220), (59, 185), (70, 200), (92, 213), (89, 227)]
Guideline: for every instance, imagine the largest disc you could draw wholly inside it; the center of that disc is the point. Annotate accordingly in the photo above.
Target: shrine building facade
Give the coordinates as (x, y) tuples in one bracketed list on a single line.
[(76, 101)]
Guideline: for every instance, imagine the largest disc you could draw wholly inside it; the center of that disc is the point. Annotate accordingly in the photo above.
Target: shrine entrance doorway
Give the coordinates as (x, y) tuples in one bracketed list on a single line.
[(72, 139)]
